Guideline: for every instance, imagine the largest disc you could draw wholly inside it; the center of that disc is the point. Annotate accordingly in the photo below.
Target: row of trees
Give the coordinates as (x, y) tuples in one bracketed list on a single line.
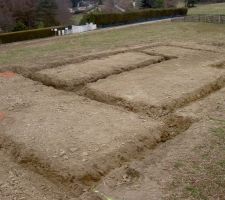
[(129, 4), (18, 15), (26, 14)]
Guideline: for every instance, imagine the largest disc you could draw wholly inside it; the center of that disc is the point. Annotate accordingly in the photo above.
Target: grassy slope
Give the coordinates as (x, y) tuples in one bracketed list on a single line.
[(50, 50), (202, 177), (218, 8)]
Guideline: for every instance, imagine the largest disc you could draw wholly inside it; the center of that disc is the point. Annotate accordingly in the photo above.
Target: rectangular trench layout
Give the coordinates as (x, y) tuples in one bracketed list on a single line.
[(123, 104)]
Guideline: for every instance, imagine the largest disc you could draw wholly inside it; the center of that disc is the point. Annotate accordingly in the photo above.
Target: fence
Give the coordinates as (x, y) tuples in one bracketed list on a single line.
[(84, 28), (215, 19)]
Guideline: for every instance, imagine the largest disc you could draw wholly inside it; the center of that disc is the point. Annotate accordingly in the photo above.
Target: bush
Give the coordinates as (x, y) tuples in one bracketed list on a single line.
[(157, 3), (106, 19), (27, 35), (191, 3), (20, 26)]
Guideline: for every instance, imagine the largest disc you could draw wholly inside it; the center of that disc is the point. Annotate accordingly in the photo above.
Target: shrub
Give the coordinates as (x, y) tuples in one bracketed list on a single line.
[(157, 3), (106, 19), (20, 26), (191, 3), (27, 35)]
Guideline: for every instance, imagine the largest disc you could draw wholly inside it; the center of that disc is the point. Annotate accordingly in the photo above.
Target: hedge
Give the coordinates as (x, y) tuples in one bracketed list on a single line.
[(107, 19), (27, 35)]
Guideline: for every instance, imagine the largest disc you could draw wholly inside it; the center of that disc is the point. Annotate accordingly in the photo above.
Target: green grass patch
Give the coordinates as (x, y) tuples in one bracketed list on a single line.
[(178, 164), (195, 192)]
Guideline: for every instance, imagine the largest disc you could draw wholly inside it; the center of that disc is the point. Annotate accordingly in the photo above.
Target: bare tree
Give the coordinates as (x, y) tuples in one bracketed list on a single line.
[(63, 15), (25, 11), (6, 17), (117, 5), (125, 4), (170, 3), (109, 5), (24, 14), (12, 11)]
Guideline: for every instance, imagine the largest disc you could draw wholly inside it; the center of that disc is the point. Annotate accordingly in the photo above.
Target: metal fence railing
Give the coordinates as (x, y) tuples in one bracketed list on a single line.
[(215, 19)]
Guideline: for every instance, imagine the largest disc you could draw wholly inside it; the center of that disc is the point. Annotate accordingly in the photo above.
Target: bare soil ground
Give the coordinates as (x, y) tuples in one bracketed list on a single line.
[(191, 166), (73, 76), (18, 183), (67, 134), (139, 122), (160, 88)]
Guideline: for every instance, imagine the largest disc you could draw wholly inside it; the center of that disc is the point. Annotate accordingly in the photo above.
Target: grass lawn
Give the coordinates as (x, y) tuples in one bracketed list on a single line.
[(217, 8), (203, 176), (51, 50)]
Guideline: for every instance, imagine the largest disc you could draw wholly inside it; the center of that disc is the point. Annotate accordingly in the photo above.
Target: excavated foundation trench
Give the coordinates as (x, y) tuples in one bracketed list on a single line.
[(135, 147), (156, 111)]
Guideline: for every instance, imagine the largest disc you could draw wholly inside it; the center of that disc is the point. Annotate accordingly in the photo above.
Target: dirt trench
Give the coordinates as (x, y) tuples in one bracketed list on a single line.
[(171, 125)]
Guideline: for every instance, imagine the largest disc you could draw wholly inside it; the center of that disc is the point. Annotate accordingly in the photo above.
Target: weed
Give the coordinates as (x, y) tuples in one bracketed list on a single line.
[(102, 195), (178, 164), (222, 163), (195, 192)]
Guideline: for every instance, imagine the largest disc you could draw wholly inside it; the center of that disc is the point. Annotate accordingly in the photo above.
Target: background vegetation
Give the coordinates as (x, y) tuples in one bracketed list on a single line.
[(17, 15), (106, 19)]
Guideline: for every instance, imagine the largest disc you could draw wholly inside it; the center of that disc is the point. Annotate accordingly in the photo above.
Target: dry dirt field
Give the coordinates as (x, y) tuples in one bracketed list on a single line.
[(138, 122)]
